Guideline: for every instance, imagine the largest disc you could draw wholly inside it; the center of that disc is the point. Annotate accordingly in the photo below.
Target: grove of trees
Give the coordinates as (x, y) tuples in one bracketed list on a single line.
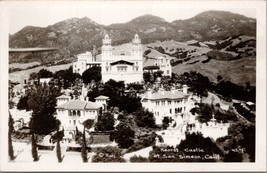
[(42, 101), (93, 73), (105, 122), (123, 135)]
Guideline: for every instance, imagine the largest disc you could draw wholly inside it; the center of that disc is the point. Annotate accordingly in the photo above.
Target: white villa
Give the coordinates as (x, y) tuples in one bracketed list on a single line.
[(161, 63), (167, 103), (124, 67), (72, 113), (212, 129), (84, 62)]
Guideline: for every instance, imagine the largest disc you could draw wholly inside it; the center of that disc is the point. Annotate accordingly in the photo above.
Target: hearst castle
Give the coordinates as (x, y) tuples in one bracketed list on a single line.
[(127, 66)]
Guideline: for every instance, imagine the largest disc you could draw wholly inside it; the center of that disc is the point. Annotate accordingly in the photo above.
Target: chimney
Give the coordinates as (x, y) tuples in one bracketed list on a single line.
[(185, 89)]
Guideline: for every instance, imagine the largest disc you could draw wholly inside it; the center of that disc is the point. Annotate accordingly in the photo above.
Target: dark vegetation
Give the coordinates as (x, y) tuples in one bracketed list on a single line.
[(115, 91), (200, 84), (108, 154), (93, 73), (241, 135), (205, 112), (105, 122), (177, 154)]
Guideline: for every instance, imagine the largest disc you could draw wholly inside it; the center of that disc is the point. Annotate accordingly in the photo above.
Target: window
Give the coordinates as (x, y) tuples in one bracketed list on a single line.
[(168, 72), (74, 122), (170, 111), (122, 68), (169, 102)]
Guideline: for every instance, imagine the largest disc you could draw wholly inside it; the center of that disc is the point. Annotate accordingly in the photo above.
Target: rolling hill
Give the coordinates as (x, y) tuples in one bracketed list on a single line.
[(213, 42)]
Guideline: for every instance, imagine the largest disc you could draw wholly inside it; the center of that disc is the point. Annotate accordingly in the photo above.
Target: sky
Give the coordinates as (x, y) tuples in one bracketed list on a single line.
[(46, 13)]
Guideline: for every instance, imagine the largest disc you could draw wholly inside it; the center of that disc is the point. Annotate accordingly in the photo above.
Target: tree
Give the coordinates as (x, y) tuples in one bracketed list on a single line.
[(135, 86), (166, 122), (34, 149), (23, 103), (59, 156), (93, 73), (108, 154), (233, 157), (42, 101), (123, 135), (249, 141), (10, 130), (204, 112), (66, 77), (196, 140), (84, 148), (144, 118), (105, 122), (43, 73), (33, 76)]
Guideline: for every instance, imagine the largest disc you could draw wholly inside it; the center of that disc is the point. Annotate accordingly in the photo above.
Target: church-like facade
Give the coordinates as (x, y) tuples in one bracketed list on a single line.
[(122, 67)]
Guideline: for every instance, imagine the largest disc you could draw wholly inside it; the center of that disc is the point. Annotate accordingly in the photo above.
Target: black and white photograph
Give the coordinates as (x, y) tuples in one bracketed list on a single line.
[(133, 85)]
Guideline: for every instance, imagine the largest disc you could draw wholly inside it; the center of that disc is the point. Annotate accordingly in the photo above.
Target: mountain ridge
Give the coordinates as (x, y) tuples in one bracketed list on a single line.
[(214, 29)]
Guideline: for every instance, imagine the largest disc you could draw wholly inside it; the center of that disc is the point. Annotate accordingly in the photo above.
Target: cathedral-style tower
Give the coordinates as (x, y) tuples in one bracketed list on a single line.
[(137, 54), (106, 54), (123, 67), (106, 48)]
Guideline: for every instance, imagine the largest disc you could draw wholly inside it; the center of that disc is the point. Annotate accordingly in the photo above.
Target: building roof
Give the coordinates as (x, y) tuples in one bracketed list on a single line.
[(102, 97), (78, 105), (121, 62), (166, 95), (63, 97), (152, 67)]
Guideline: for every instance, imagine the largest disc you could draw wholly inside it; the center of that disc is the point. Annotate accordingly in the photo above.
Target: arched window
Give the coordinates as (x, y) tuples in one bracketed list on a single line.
[(74, 113), (79, 113)]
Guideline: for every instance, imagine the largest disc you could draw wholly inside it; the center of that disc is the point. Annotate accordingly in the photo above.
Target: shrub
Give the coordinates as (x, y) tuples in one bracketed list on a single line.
[(108, 154), (138, 159)]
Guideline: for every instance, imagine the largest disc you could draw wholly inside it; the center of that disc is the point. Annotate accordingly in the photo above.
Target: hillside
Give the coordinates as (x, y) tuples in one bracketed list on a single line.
[(233, 58), (212, 43), (74, 36), (235, 61)]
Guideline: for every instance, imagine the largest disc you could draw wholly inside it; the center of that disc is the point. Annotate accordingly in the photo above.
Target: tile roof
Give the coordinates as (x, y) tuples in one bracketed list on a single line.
[(166, 95), (63, 97), (102, 97), (78, 105)]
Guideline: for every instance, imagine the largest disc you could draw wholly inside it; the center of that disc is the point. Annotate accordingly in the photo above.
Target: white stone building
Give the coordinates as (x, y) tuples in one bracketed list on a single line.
[(212, 129), (160, 64), (124, 67), (167, 103), (84, 62), (72, 114)]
